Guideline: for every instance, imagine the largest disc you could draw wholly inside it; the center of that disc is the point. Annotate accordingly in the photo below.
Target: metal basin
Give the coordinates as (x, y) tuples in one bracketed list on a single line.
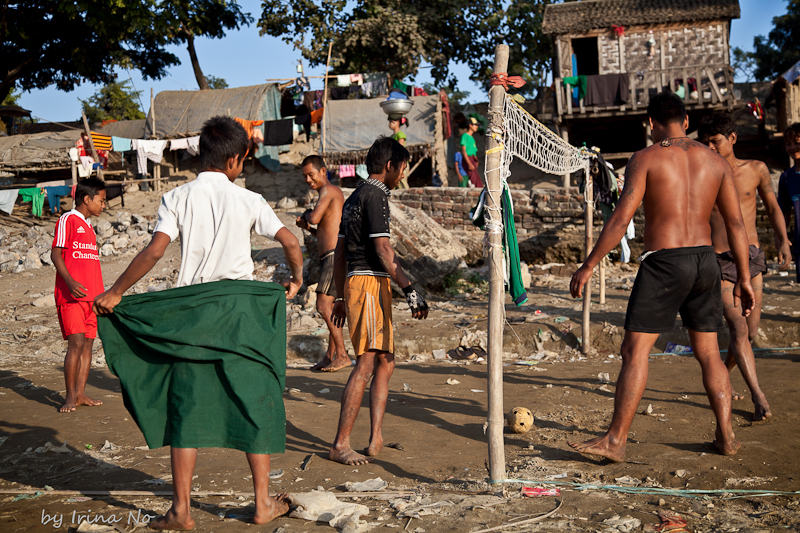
[(396, 107)]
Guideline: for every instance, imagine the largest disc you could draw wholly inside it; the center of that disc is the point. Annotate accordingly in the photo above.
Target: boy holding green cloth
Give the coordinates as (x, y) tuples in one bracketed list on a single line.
[(202, 365)]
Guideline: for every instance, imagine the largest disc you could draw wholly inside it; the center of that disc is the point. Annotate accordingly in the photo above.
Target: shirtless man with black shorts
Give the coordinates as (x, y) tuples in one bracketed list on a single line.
[(327, 215), (718, 132), (680, 181)]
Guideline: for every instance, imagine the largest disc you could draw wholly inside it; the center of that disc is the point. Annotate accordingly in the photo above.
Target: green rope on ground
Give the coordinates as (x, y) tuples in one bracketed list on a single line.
[(685, 493)]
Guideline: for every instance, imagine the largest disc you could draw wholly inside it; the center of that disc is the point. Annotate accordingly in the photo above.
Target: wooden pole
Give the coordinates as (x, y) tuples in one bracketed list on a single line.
[(603, 281), (587, 289), (497, 295), (91, 143), (156, 166), (325, 93), (565, 136)]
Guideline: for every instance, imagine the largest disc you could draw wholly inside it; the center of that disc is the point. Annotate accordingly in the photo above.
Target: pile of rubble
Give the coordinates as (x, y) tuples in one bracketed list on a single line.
[(28, 249)]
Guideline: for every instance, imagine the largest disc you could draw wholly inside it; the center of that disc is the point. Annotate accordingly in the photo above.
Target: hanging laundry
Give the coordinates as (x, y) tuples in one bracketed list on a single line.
[(54, 195), (357, 79), (248, 125), (305, 121), (578, 82), (397, 84), (343, 80), (120, 144), (87, 163), (375, 87), (347, 171), (152, 150), (303, 84), (101, 142), (361, 171), (316, 116), (309, 100), (419, 91), (258, 135), (194, 145), (8, 197), (178, 144), (73, 154), (36, 196), (278, 132)]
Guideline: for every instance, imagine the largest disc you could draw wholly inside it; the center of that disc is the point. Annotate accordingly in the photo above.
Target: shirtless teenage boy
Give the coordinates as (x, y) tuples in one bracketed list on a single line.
[(718, 132), (679, 180), (327, 214)]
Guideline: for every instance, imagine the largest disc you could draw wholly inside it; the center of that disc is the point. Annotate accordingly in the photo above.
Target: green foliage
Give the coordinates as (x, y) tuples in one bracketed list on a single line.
[(114, 101), (775, 54), (12, 98), (453, 95), (744, 64), (464, 281), (395, 36), (216, 83), (67, 42)]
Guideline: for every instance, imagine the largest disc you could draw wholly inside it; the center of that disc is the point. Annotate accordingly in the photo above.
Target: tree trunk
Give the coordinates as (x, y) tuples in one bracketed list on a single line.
[(198, 72)]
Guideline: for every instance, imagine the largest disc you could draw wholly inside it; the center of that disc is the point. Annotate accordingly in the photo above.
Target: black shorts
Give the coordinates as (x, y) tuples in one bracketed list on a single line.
[(326, 284), (673, 280)]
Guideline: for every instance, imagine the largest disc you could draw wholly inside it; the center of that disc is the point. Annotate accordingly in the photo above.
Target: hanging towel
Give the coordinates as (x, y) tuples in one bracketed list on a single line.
[(194, 145), (101, 142), (357, 79), (343, 80), (188, 386), (606, 89), (361, 171), (397, 84), (305, 121), (87, 163), (56, 183), (178, 144), (278, 132), (8, 197), (120, 144), (152, 150), (578, 82), (249, 125), (316, 116), (36, 196), (54, 195), (347, 171), (512, 260)]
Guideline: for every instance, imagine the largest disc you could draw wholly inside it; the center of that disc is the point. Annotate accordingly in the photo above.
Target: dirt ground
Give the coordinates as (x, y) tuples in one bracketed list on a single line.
[(442, 452)]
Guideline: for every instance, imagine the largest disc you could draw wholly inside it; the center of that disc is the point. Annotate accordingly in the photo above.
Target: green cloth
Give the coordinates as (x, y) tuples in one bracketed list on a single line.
[(397, 84), (204, 365), (399, 135), (469, 143), (513, 268), (579, 82), (35, 195)]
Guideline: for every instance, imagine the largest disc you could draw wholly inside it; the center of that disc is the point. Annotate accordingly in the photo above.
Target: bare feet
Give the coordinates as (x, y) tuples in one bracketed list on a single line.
[(762, 411), (69, 405), (736, 396), (338, 364), (85, 400), (348, 456), (172, 521), (375, 447), (603, 447), (727, 445), (271, 509), (326, 361)]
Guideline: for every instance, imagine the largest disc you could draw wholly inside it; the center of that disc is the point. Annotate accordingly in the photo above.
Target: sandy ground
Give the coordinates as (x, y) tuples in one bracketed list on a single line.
[(439, 426)]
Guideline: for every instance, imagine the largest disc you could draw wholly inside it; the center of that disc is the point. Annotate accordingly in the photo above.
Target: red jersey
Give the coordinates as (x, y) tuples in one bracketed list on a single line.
[(77, 238)]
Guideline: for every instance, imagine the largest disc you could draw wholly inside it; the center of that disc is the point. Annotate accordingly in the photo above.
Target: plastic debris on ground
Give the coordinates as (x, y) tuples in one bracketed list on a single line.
[(533, 492), (19, 497), (322, 506), (55, 449), (451, 381), (623, 525), (86, 527), (603, 377), (677, 348), (371, 485)]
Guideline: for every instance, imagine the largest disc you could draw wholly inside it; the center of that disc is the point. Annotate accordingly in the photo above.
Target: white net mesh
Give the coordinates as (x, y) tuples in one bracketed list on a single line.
[(531, 141)]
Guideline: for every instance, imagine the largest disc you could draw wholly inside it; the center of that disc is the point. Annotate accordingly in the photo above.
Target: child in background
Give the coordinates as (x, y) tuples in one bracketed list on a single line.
[(78, 280), (789, 190)]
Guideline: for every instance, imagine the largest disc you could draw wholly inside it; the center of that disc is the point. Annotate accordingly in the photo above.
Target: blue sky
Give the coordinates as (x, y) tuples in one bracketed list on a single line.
[(244, 58)]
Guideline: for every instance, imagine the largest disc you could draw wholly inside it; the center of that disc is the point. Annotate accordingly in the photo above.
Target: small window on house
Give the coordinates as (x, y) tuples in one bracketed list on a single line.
[(586, 55)]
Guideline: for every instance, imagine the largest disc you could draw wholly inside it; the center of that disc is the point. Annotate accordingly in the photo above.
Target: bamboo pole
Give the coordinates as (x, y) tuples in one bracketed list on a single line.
[(91, 143), (497, 94), (587, 289), (325, 94), (603, 281)]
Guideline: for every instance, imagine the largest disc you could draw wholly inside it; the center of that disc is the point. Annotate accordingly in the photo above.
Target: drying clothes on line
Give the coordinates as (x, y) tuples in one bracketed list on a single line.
[(178, 144), (397, 84), (87, 163), (606, 89), (278, 132), (120, 144), (56, 183), (303, 83), (86, 150), (358, 79), (419, 91), (73, 155), (54, 195), (305, 121), (248, 125), (188, 386), (316, 115), (362, 172), (152, 150), (112, 191), (101, 142), (36, 196), (577, 81), (347, 171), (343, 80), (375, 87), (8, 197), (194, 145)]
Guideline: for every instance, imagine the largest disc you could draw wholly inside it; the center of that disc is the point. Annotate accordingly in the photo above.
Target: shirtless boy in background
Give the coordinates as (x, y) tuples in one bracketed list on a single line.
[(327, 215), (680, 181), (718, 132)]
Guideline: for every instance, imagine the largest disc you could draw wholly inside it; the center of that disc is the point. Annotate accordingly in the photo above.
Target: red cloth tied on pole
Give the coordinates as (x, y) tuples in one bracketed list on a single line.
[(501, 78)]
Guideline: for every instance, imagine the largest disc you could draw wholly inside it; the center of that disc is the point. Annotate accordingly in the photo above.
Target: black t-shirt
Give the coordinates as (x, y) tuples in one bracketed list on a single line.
[(365, 216)]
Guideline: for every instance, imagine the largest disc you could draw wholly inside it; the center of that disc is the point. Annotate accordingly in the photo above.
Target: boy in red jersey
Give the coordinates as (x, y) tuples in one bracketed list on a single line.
[(78, 280)]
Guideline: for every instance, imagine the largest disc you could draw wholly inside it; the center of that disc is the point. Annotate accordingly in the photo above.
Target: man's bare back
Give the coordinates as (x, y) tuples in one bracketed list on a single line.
[(330, 201)]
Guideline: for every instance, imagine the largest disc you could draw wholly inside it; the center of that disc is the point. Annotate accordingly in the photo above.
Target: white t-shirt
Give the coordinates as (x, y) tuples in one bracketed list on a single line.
[(213, 218)]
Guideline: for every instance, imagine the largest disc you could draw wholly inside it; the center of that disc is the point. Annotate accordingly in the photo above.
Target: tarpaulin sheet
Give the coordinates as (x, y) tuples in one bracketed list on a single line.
[(128, 129), (37, 150), (350, 125)]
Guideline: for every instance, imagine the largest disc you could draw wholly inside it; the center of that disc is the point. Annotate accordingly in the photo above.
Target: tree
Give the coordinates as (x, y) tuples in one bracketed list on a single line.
[(114, 101), (744, 64), (395, 36), (66, 42), (183, 20), (775, 54), (216, 83)]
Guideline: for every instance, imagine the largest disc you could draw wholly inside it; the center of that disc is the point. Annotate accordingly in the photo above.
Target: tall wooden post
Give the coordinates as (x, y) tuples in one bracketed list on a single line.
[(587, 289), (565, 136), (325, 97), (497, 295), (156, 166), (91, 143), (603, 280)]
